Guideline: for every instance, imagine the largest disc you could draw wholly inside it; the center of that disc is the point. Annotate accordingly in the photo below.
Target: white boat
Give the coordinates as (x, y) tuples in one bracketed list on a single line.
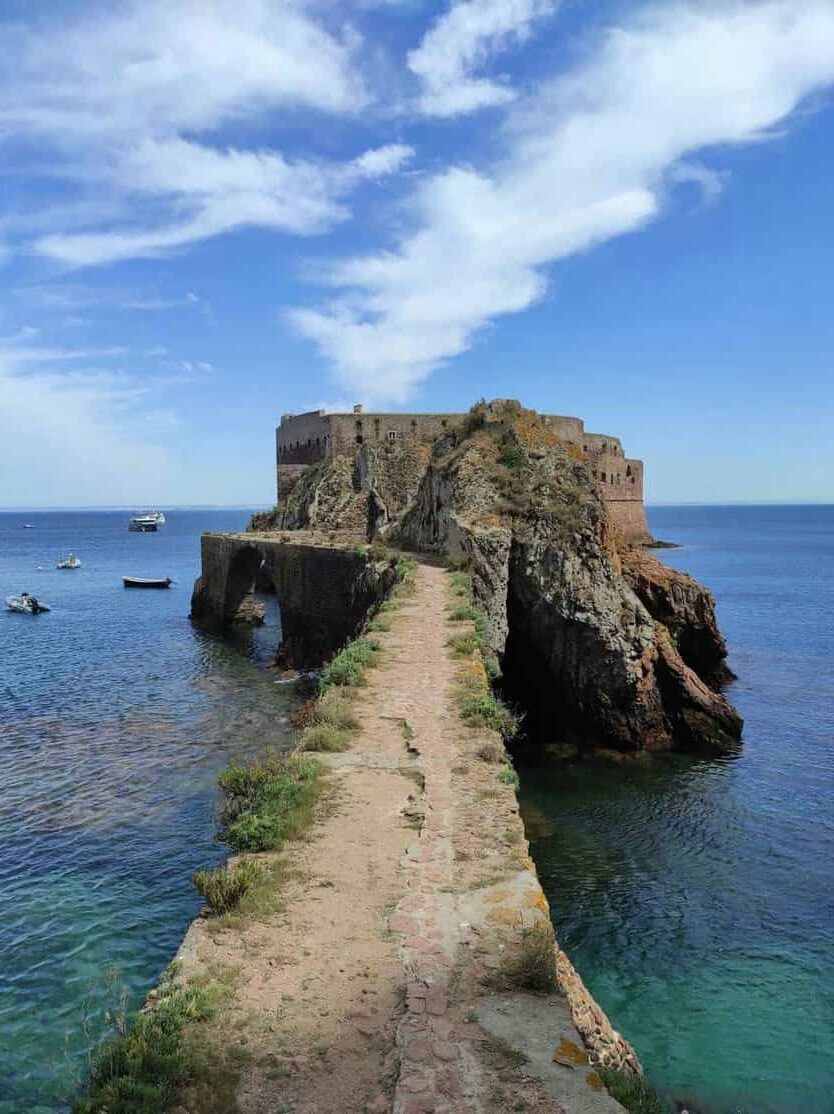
[(69, 562), (143, 524), (26, 604), (158, 517)]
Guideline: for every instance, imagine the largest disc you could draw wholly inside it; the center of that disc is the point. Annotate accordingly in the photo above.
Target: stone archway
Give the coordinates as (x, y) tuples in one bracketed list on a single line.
[(240, 579)]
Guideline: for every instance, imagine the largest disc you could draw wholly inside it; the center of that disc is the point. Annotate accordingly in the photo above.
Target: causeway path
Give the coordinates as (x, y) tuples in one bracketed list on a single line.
[(363, 991)]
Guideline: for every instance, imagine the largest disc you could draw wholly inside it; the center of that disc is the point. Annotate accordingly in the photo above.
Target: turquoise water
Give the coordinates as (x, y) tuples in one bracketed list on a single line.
[(115, 718), (696, 897)]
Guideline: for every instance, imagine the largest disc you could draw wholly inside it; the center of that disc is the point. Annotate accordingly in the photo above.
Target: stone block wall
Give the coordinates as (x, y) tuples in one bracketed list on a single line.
[(324, 592)]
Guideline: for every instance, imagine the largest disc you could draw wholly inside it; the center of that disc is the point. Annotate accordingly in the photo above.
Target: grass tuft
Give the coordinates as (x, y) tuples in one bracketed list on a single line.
[(633, 1092), (488, 711), (325, 737), (349, 665), (141, 1067), (268, 802), (223, 889), (531, 965)]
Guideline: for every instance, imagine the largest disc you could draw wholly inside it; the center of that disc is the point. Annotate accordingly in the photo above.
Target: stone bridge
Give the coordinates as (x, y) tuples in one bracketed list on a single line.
[(324, 591)]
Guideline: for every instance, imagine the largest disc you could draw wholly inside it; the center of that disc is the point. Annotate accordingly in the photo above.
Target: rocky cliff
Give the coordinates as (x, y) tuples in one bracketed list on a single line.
[(602, 644), (362, 493)]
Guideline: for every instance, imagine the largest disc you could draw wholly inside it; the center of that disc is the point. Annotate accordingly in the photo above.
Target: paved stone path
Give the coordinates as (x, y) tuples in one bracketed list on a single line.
[(360, 995)]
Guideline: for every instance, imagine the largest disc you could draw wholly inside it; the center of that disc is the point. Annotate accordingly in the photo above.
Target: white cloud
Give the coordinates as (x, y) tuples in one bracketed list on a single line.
[(73, 296), (80, 431), (586, 159), (462, 40), (139, 68), (127, 104), (220, 190)]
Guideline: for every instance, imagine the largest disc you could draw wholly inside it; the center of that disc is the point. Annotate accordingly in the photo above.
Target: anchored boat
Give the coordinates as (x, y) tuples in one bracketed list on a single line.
[(26, 604), (146, 582), (69, 562), (143, 524)]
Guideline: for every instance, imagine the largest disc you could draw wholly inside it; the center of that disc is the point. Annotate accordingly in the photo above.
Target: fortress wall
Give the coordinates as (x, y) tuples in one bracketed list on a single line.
[(288, 477), (568, 429), (303, 438), (374, 428), (618, 477), (602, 444), (630, 517)]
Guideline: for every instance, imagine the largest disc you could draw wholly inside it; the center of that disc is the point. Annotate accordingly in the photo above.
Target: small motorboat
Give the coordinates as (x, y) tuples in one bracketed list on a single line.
[(26, 604), (28, 526), (144, 524), (146, 582), (69, 562)]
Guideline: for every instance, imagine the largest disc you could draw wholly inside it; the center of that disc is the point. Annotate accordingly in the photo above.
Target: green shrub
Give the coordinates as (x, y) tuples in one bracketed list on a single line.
[(458, 562), (512, 456), (379, 551), (268, 802), (462, 585), (379, 624), (222, 889), (507, 774), (464, 645), (464, 614), (140, 1069), (348, 667), (325, 737), (487, 711), (633, 1092)]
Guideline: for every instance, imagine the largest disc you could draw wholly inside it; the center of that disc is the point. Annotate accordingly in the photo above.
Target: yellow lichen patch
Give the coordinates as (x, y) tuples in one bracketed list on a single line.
[(500, 893), (569, 1053), (508, 916), (535, 899), (594, 1081)]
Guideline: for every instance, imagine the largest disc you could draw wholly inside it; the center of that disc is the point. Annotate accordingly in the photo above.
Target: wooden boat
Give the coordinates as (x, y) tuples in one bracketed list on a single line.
[(146, 582)]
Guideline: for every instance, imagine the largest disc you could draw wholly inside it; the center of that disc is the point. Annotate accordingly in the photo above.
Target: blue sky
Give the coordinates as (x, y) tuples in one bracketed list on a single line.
[(212, 213)]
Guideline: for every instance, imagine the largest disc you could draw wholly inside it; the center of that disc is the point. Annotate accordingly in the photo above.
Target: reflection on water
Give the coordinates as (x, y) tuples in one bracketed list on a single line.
[(696, 897), (115, 718)]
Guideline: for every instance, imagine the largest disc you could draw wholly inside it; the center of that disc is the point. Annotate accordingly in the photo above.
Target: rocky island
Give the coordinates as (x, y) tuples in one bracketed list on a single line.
[(379, 940), (600, 643)]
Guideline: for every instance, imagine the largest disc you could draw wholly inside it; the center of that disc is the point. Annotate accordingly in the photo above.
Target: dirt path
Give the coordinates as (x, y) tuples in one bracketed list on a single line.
[(359, 995)]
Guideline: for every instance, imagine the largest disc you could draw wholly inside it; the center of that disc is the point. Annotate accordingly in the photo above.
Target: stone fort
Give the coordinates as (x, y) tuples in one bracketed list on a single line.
[(305, 439)]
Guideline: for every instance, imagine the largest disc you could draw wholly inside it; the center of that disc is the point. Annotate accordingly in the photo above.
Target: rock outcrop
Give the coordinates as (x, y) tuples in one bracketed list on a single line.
[(600, 642), (361, 493)]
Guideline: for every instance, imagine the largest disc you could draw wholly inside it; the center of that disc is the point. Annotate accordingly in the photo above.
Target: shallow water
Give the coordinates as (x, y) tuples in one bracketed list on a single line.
[(115, 718), (696, 897)]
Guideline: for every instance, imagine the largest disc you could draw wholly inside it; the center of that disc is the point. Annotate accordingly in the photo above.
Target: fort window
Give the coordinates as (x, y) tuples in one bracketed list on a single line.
[(376, 428), (392, 435), (443, 423), (413, 425), (628, 470), (359, 439), (603, 477), (358, 427)]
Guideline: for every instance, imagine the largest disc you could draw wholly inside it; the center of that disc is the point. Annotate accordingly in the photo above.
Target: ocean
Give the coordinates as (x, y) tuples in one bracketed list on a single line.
[(696, 896), (116, 717)]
